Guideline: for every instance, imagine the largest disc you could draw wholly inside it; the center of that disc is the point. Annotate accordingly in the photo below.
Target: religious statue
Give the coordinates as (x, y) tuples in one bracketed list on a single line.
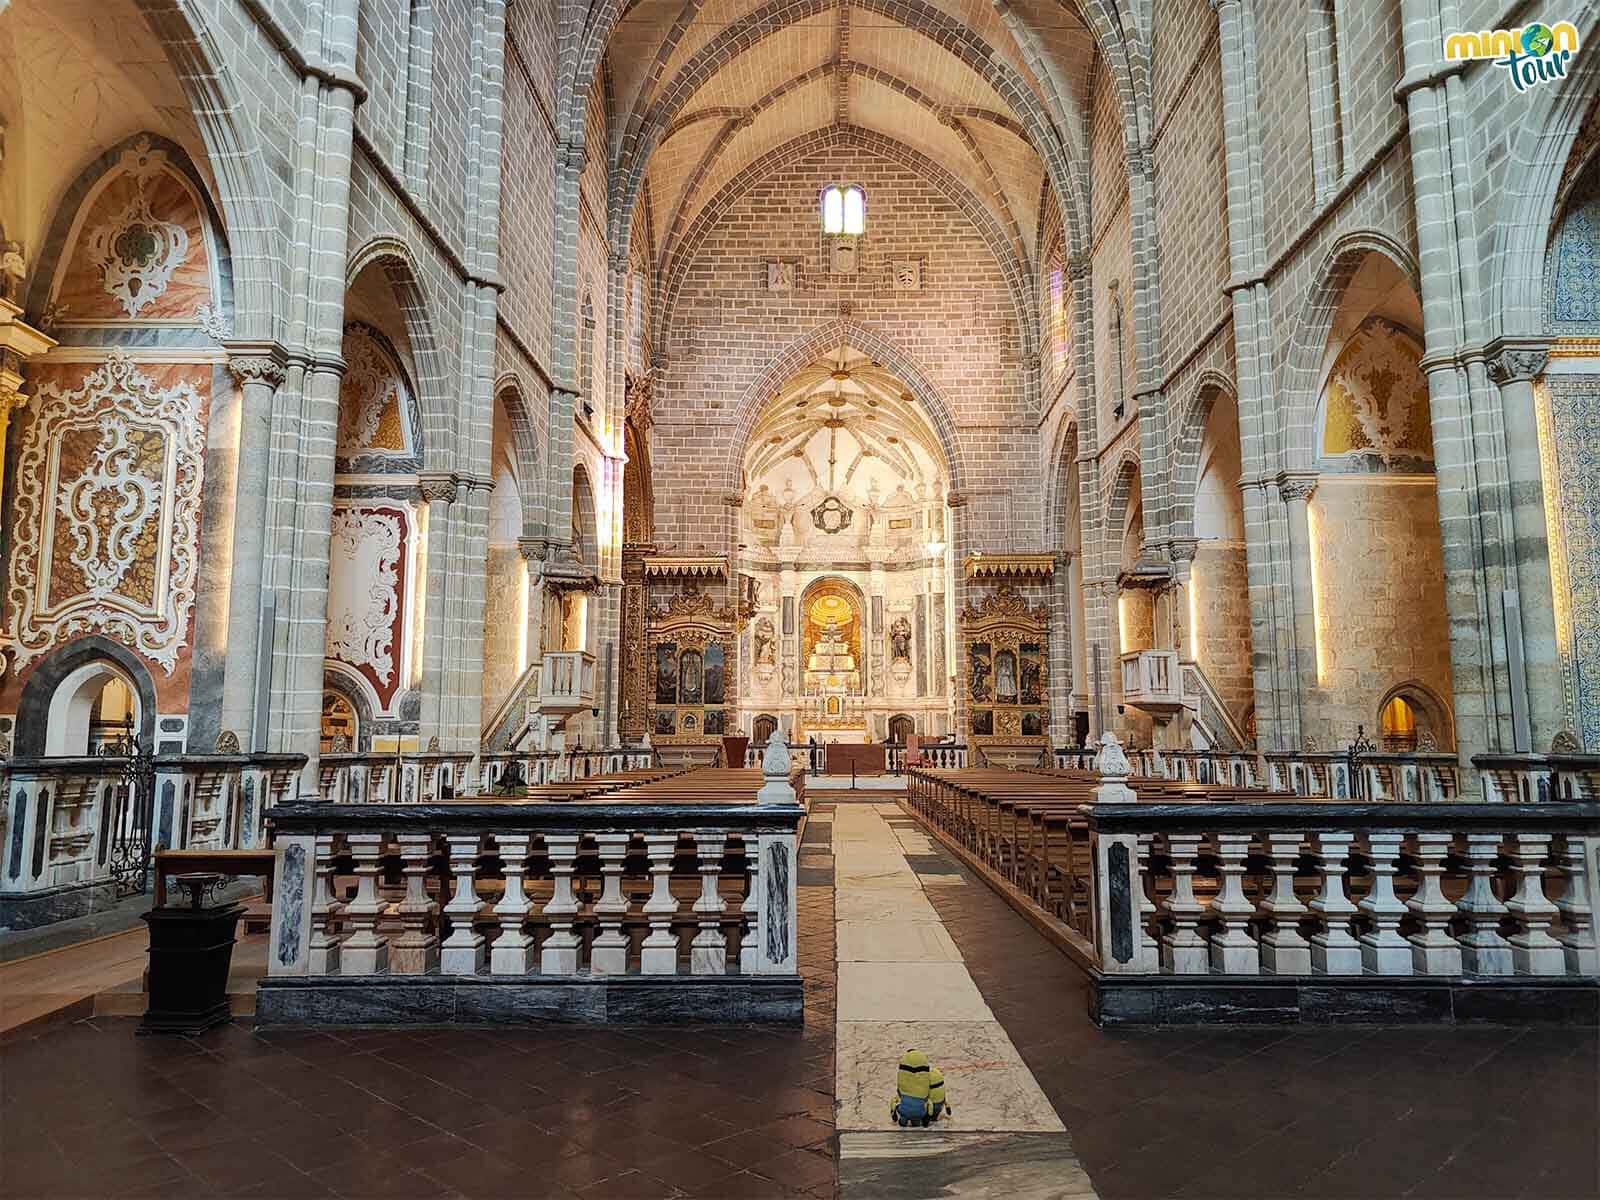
[(1005, 676), (900, 639), (766, 638)]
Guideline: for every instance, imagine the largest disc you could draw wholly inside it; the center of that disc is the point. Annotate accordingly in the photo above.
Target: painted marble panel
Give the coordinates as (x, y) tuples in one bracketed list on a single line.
[(139, 249), (1377, 398)]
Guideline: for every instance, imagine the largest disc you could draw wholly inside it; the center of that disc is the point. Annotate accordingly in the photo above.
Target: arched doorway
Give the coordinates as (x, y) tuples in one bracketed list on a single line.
[(901, 728), (762, 729), (94, 708), (341, 724)]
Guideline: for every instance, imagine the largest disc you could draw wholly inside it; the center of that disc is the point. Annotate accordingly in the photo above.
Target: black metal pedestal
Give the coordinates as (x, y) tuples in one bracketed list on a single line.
[(191, 949)]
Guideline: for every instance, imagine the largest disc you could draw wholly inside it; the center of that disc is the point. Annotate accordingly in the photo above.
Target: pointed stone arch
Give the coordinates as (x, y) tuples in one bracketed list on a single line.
[(1300, 368), (1188, 443)]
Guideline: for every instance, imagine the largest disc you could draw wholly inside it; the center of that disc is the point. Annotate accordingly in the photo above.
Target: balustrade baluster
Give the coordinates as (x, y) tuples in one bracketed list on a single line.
[(1577, 909), (1433, 950), (1533, 950), (366, 951), (750, 934), (512, 952), (463, 951), (708, 953), (1284, 949), (1183, 950), (560, 954), (416, 950), (609, 954), (1334, 950), (659, 956), (1483, 950), (1233, 950), (1383, 950), (326, 913)]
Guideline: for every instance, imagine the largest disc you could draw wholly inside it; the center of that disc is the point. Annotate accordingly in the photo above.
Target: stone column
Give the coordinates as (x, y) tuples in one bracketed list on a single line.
[(259, 371), (439, 494), (1295, 489), (1061, 618), (1513, 368)]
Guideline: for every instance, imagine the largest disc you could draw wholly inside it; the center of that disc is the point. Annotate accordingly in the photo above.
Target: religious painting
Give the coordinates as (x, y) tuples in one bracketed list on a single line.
[(1005, 677), (982, 722), (715, 674), (1032, 671), (690, 723), (1032, 723), (980, 668), (691, 677), (666, 722), (666, 673), (716, 721)]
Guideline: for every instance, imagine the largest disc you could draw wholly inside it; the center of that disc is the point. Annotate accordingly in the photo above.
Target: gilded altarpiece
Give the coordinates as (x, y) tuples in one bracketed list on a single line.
[(691, 659), (1004, 663)]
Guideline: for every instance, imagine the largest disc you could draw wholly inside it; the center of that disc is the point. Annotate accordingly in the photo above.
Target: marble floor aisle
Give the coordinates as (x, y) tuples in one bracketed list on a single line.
[(902, 983)]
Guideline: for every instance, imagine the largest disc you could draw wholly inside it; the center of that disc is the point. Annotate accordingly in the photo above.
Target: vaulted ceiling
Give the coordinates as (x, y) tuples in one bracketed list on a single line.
[(993, 93)]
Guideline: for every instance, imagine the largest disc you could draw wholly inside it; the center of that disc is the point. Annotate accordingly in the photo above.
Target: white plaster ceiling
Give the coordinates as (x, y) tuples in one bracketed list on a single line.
[(76, 78)]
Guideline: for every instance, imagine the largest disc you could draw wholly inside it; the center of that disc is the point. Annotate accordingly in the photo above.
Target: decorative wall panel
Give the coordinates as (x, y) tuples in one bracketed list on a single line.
[(376, 414), (105, 528), (1377, 398), (139, 248), (367, 594)]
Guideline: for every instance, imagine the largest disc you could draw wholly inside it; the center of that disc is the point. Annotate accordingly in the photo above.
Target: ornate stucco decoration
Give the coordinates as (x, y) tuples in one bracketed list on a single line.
[(362, 608), (136, 252), (1377, 397), (105, 529), (1002, 566), (375, 410)]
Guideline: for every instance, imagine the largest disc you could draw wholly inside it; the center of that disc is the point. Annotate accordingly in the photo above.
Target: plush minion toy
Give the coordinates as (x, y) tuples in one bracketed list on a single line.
[(911, 1087), (938, 1105)]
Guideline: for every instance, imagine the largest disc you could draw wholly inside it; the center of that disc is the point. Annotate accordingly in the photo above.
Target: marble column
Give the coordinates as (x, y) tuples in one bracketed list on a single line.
[(1061, 618), (1514, 368), (1295, 489), (260, 372)]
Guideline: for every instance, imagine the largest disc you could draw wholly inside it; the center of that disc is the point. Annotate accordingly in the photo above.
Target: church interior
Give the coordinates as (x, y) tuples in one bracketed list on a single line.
[(578, 577)]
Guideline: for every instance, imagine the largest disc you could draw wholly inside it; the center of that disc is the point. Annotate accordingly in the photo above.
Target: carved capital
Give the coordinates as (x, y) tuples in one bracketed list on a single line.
[(1516, 364), (957, 500), (571, 156), (439, 487), (254, 367), (531, 549), (1296, 487), (1184, 549), (1079, 266)]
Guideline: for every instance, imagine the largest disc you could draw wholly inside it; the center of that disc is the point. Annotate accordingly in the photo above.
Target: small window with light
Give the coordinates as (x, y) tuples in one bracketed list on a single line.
[(844, 210)]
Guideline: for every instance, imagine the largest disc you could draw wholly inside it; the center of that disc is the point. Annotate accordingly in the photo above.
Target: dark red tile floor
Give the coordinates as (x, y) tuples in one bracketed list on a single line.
[(1340, 1113), (90, 1110)]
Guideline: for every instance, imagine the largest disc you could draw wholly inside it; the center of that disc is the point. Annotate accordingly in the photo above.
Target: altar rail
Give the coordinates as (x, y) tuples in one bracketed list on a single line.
[(450, 901), (1207, 905), (74, 828), (426, 776)]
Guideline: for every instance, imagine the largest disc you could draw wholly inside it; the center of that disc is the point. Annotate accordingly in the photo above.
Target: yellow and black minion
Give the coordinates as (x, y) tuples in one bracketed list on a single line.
[(938, 1104), (911, 1087)]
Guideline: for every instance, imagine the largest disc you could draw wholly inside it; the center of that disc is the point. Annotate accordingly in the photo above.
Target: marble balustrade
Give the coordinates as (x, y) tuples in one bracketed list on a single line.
[(62, 817), (526, 890), (1391, 889)]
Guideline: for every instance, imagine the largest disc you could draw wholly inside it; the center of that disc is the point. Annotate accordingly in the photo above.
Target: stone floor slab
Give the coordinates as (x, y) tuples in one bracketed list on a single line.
[(871, 991), (895, 941), (923, 1164), (990, 1087)]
